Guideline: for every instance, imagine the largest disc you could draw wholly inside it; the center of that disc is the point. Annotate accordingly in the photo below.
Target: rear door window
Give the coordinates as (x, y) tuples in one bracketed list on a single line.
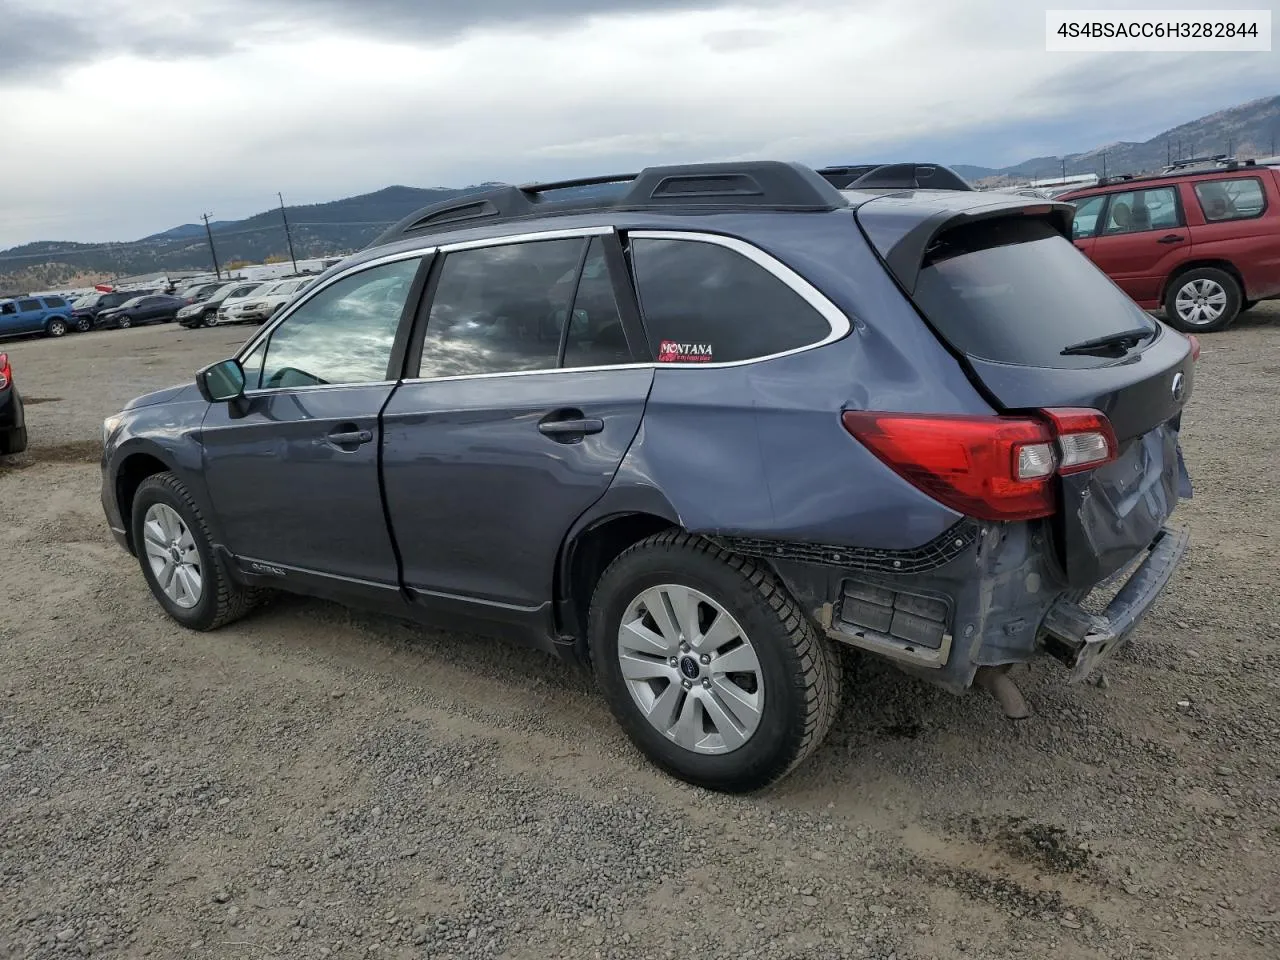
[(1017, 291), (705, 303), (500, 309), (1241, 199), (1137, 210)]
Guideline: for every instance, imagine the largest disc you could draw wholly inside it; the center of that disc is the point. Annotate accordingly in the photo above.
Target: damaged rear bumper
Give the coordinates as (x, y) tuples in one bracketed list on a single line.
[(975, 601), (1081, 639)]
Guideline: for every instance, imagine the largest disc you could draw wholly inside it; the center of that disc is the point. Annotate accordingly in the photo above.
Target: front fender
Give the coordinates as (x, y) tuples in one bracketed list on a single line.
[(171, 435)]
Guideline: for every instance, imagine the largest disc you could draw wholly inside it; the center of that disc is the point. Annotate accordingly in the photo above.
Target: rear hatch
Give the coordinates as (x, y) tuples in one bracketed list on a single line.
[(1038, 326)]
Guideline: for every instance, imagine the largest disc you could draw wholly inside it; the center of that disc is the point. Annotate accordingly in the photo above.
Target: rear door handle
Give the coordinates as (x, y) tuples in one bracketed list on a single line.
[(1172, 238), (350, 438), (568, 429)]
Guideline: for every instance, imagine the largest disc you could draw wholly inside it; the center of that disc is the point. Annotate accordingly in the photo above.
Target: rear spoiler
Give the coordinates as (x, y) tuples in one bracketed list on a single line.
[(902, 229)]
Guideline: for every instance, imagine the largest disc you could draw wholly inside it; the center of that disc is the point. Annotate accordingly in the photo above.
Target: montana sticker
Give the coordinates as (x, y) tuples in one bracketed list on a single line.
[(671, 352)]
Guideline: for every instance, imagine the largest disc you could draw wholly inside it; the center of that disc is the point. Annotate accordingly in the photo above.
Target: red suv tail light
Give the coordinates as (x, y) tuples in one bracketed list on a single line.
[(6, 372), (992, 468)]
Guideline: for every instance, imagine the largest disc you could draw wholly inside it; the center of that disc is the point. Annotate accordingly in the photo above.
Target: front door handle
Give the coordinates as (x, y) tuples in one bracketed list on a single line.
[(570, 429), (349, 438), (1172, 238)]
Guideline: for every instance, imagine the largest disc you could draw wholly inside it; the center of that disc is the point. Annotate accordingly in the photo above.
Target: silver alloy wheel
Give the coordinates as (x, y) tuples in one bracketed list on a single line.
[(171, 551), (1201, 302), (691, 669)]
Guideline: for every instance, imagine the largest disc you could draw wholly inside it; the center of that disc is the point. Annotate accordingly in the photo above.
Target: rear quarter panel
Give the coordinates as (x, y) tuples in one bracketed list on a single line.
[(1251, 245), (759, 450)]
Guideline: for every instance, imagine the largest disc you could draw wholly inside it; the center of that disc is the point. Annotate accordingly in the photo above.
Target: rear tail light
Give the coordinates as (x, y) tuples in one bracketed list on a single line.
[(992, 468), (1085, 438), (1195, 347), (6, 372)]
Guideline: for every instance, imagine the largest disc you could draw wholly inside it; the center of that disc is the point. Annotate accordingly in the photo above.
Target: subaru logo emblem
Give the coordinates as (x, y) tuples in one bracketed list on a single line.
[(1179, 387)]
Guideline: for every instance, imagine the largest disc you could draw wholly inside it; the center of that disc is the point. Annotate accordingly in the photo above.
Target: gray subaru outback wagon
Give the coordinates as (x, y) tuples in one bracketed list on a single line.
[(700, 428)]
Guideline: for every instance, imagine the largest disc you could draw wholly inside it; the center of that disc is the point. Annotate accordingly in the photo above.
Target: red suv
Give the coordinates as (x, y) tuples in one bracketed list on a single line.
[(1203, 245)]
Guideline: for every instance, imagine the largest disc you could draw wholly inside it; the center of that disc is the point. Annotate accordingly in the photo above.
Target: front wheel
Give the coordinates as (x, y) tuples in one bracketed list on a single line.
[(211, 319), (1202, 300), (709, 665), (176, 554), (84, 324), (124, 323)]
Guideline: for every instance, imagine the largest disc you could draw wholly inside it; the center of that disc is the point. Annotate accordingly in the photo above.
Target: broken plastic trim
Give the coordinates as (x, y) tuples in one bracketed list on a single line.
[(938, 552), (1081, 639)]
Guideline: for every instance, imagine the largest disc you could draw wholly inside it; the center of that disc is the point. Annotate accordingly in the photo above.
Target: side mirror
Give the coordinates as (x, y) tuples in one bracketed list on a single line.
[(221, 382)]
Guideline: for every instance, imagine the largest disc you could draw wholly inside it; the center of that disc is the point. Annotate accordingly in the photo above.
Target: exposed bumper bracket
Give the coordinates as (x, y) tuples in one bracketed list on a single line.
[(1081, 639)]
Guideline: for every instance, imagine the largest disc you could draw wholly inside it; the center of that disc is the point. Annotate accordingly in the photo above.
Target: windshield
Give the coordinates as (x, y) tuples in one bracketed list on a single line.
[(1017, 291)]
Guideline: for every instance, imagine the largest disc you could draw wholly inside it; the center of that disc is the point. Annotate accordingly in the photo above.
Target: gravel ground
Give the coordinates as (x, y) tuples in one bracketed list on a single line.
[(314, 782)]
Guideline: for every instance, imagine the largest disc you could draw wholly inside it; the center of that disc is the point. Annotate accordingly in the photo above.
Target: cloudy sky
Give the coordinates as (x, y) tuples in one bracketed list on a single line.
[(122, 118)]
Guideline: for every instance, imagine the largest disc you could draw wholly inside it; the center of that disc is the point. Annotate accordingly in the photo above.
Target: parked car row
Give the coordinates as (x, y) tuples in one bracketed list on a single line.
[(199, 305)]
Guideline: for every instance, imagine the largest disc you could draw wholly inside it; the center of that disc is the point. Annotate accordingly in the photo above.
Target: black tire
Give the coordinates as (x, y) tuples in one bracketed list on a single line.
[(222, 599), (123, 323), (209, 319), (1213, 276), (801, 670), (15, 441), (56, 327), (1248, 305), (84, 324)]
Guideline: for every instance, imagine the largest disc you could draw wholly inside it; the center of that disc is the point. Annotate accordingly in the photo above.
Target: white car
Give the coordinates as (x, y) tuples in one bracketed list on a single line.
[(263, 302)]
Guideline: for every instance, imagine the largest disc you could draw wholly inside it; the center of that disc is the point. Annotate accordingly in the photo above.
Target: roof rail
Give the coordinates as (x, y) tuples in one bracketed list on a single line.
[(755, 184), (894, 176)]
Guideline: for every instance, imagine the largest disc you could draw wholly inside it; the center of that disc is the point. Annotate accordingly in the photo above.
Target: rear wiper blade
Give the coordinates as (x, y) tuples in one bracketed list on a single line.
[(1125, 340)]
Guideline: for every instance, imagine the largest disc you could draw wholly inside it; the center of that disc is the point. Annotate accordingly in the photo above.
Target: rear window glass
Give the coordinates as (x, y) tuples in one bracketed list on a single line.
[(1017, 291), (54, 302), (704, 303), (1231, 199)]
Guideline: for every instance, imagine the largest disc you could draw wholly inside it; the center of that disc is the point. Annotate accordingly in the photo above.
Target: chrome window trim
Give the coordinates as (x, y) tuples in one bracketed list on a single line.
[(569, 233), (418, 252), (835, 317)]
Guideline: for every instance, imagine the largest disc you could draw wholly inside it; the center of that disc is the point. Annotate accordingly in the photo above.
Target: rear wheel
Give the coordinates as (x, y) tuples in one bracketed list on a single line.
[(708, 664), (14, 441), (1202, 300), (176, 554), (56, 327)]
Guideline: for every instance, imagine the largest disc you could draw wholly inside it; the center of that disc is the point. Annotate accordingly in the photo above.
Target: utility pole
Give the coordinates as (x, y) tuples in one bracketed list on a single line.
[(1168, 151), (212, 252), (1064, 169), (1231, 146), (289, 236), (1104, 164)]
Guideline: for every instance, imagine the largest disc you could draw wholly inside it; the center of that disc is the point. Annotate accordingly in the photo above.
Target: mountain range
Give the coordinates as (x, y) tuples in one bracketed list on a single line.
[(340, 226), (1248, 130)]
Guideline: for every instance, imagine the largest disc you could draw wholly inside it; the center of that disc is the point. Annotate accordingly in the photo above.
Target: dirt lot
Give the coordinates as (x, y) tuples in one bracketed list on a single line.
[(312, 782)]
